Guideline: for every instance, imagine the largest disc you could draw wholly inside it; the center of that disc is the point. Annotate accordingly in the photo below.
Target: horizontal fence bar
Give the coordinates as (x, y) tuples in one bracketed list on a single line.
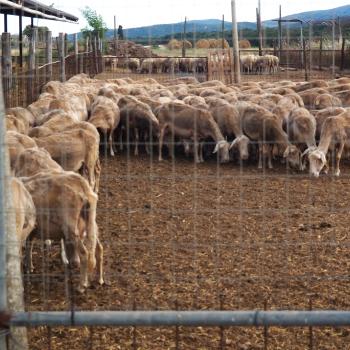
[(183, 318)]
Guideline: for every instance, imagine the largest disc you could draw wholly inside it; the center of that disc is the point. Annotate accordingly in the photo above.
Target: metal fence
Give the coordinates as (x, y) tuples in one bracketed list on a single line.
[(196, 256)]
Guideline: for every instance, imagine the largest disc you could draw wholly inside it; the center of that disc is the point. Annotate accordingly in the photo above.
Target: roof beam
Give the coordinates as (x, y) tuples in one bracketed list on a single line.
[(32, 12)]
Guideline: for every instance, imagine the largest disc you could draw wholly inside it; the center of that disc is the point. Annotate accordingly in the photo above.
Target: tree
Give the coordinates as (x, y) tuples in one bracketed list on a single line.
[(96, 25), (41, 32)]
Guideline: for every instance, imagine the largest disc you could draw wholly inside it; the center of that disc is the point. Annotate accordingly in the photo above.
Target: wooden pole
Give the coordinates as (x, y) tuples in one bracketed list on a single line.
[(115, 35), (95, 48), (280, 33), (6, 65), (301, 44), (66, 44), (333, 48), (310, 47), (76, 53), (32, 65), (223, 32), (61, 54), (87, 44), (305, 65), (184, 39), (258, 25), (11, 285), (20, 38), (342, 54), (48, 54), (236, 63), (320, 53), (5, 23), (261, 44)]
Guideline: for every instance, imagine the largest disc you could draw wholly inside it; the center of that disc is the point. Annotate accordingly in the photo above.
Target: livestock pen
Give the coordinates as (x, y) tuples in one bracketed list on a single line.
[(197, 256)]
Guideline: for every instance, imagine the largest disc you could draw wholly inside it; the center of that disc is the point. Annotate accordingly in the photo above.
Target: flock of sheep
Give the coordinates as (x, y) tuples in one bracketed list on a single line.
[(157, 65), (54, 143), (252, 64)]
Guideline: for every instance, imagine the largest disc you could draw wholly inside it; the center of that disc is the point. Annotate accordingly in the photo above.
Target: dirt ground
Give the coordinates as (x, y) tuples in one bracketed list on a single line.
[(186, 236)]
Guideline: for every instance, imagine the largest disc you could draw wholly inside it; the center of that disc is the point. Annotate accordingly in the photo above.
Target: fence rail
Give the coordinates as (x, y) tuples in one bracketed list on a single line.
[(183, 318)]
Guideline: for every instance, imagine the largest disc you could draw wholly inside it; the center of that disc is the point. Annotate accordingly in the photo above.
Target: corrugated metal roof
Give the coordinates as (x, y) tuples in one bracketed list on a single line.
[(43, 11)]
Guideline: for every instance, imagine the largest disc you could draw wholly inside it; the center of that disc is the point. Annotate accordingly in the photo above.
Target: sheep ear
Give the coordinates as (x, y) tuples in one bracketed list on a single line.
[(216, 148), (286, 153), (234, 142)]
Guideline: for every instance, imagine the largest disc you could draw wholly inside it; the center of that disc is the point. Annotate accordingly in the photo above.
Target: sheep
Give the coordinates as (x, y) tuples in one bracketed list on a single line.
[(82, 155), (190, 123), (105, 116), (51, 191), (265, 127)]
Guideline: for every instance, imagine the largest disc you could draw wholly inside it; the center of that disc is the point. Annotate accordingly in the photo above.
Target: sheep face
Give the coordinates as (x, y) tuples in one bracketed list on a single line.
[(223, 149), (317, 161), (292, 154), (242, 143)]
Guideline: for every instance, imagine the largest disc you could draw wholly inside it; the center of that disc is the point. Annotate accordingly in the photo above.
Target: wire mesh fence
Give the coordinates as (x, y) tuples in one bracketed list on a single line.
[(196, 254)]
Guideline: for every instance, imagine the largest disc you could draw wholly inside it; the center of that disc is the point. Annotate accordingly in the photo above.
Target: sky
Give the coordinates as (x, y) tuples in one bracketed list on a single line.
[(137, 13)]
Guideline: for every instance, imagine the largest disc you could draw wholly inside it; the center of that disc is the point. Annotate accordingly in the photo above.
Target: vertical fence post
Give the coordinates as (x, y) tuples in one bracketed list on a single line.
[(66, 46), (76, 54), (342, 54), (184, 39), (48, 54), (333, 48), (236, 63), (321, 48), (61, 54), (310, 48), (305, 64), (95, 48), (3, 289), (11, 287), (6, 68), (32, 66)]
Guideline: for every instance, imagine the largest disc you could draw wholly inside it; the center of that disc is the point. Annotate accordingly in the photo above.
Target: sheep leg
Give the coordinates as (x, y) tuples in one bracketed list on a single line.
[(121, 146), (147, 144), (196, 150), (160, 142), (269, 155), (110, 141), (201, 158), (99, 261), (136, 151), (260, 163), (337, 159)]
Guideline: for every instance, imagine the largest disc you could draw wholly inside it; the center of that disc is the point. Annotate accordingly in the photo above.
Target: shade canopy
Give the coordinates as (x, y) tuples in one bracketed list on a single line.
[(36, 9)]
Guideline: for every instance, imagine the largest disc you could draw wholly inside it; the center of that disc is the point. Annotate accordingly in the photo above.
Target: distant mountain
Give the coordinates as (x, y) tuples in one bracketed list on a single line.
[(343, 12), (214, 25), (199, 26)]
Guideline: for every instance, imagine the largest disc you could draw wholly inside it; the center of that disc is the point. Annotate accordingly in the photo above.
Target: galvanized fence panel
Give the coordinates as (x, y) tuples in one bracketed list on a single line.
[(208, 247)]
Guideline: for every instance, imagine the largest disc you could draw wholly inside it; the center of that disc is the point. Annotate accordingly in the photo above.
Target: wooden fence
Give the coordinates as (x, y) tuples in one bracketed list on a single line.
[(23, 82)]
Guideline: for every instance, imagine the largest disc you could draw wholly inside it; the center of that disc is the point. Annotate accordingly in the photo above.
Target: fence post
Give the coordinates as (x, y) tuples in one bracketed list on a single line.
[(48, 54), (11, 287), (321, 48), (95, 48), (305, 64), (236, 62), (32, 66), (76, 54), (61, 54), (6, 68), (342, 54), (66, 44)]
